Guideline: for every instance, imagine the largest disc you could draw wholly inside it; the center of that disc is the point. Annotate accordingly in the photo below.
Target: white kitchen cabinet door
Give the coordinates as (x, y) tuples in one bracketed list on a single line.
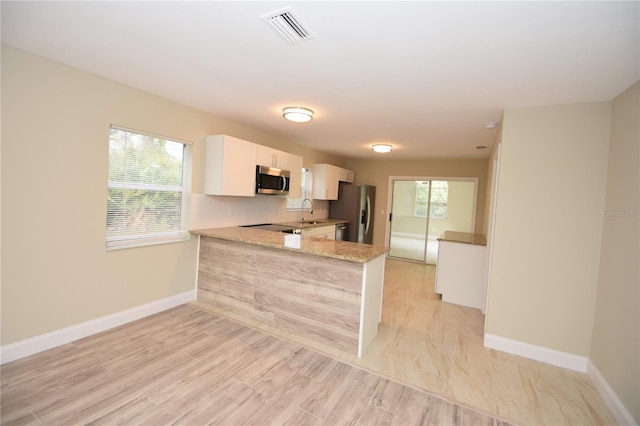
[(328, 232), (325, 182), (230, 167), (266, 156), (294, 164), (345, 175)]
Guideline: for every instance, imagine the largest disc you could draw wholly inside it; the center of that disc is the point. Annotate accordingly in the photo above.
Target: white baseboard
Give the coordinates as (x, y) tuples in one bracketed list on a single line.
[(411, 235), (538, 353), (610, 398), (66, 335), (564, 360)]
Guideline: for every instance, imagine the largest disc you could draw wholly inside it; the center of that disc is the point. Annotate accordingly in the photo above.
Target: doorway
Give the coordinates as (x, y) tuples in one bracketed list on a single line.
[(422, 208)]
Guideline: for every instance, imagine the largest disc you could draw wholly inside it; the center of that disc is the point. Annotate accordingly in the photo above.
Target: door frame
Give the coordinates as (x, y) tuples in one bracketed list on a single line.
[(491, 231), (387, 228)]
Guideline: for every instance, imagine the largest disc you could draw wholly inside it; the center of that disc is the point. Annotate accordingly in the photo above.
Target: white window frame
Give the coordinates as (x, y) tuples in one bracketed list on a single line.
[(121, 242), (431, 203), (295, 204)]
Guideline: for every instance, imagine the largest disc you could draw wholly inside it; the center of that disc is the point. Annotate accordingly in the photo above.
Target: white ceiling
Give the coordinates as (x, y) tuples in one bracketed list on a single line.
[(423, 76)]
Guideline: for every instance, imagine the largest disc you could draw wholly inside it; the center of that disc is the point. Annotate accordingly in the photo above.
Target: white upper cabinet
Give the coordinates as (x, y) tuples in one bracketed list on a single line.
[(294, 164), (272, 158), (326, 178), (230, 167), (325, 182), (345, 175)]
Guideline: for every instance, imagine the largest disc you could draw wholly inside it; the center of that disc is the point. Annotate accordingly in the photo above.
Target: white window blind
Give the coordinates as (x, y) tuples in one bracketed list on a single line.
[(147, 191)]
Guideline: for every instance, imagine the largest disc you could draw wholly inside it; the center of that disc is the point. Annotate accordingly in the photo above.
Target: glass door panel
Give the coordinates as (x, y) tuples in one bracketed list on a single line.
[(409, 221), (422, 210)]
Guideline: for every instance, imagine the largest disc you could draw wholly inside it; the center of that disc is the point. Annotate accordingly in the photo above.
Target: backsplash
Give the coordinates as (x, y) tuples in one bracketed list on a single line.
[(212, 211)]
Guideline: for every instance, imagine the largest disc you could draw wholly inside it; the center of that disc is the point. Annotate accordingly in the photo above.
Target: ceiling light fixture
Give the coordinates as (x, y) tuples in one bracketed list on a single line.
[(381, 147), (491, 125), (297, 114)]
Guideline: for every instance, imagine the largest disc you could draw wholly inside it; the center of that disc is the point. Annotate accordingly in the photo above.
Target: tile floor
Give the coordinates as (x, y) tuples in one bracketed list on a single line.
[(438, 347), (413, 249)]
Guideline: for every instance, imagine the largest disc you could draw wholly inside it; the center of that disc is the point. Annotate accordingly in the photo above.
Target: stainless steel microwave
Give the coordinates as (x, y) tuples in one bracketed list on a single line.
[(270, 180)]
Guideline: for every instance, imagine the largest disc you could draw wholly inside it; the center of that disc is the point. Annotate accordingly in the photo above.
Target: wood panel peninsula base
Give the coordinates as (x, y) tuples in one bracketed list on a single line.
[(327, 291)]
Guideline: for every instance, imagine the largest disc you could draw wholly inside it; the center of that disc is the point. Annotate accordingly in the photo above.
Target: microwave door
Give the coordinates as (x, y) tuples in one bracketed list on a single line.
[(272, 181)]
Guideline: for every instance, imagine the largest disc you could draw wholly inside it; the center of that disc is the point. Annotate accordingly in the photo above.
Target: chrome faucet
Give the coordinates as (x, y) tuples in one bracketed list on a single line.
[(302, 209)]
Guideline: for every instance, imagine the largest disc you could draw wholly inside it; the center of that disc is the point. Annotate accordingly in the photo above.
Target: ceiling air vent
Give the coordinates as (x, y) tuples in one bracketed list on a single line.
[(286, 23)]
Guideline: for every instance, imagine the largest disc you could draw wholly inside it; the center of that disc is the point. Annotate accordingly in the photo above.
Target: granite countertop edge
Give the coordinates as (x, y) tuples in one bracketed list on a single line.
[(342, 250), (463, 237), (309, 223)]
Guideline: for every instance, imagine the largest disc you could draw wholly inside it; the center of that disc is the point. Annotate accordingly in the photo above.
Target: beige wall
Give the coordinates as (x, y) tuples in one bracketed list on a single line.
[(546, 247), (377, 173), (616, 333), (55, 126)]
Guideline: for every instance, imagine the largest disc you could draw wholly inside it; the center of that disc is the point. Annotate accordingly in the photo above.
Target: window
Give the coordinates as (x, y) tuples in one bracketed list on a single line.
[(147, 191), (439, 196), (422, 198), (306, 184)]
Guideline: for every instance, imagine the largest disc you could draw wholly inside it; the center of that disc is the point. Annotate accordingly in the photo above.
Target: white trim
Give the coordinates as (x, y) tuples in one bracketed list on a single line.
[(153, 135), (197, 275), (370, 302), (491, 231), (538, 353), (616, 406), (23, 348)]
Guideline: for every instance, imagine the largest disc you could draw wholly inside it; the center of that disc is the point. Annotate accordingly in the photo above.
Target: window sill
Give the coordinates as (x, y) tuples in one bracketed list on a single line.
[(119, 245)]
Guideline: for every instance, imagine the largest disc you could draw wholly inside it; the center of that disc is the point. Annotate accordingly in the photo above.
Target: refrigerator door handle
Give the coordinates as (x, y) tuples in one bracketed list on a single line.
[(366, 228)]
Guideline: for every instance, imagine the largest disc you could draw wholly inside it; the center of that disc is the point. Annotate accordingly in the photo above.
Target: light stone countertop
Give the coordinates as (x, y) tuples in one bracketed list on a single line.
[(312, 223), (463, 237), (343, 250)]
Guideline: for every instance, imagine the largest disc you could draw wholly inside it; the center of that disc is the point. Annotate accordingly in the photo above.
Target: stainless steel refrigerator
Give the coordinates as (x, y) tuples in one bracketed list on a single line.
[(355, 203)]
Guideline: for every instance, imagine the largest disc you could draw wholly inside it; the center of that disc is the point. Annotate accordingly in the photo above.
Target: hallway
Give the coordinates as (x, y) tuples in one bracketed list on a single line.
[(438, 347)]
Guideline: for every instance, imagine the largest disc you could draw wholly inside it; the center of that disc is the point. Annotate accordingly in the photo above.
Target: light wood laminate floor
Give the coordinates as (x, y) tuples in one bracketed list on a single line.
[(189, 366), (438, 347)]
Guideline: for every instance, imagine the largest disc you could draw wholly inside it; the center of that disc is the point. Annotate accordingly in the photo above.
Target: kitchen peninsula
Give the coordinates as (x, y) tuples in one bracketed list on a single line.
[(461, 268), (326, 290)]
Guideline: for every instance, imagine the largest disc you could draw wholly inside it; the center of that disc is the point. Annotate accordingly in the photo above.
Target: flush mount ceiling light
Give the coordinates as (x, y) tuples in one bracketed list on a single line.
[(297, 114), (381, 147)]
